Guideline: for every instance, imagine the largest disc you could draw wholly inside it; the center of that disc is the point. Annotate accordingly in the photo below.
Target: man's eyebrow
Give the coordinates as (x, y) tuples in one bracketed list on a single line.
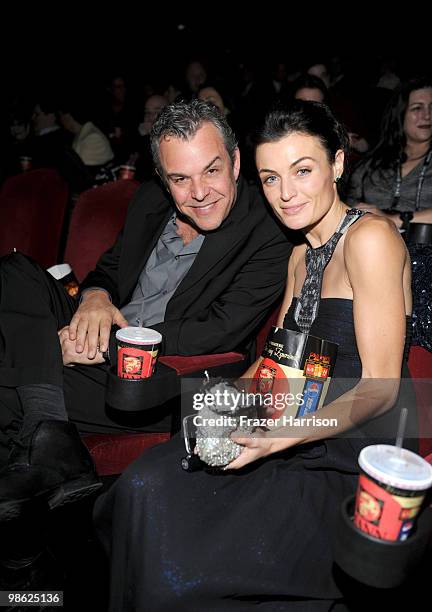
[(217, 158), (209, 165)]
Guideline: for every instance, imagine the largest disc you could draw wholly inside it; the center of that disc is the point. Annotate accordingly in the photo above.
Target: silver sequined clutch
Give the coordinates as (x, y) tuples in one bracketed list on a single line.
[(217, 422)]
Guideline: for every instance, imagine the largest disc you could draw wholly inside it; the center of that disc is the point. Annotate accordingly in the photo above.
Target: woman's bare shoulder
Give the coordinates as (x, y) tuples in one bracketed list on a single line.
[(374, 233)]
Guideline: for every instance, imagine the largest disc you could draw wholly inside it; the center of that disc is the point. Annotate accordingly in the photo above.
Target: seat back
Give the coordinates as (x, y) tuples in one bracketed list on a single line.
[(97, 218), (32, 207), (420, 367)]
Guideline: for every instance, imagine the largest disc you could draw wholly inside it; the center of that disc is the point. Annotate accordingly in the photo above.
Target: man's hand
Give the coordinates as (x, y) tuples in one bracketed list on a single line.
[(69, 353), (90, 326)]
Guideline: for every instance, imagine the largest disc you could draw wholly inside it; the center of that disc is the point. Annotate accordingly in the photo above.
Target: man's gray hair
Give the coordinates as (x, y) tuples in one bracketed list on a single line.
[(183, 120)]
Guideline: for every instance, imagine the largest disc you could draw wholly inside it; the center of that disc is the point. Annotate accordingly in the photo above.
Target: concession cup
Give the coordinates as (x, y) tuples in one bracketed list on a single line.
[(137, 351), (392, 485), (382, 564)]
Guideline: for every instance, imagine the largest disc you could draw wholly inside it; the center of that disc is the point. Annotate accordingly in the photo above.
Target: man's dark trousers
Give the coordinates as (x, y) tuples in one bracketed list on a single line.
[(33, 307)]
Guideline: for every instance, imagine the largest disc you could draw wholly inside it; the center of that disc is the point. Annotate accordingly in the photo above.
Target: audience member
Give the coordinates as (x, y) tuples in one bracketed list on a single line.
[(309, 87), (141, 157), (89, 142), (395, 179), (195, 77), (51, 146)]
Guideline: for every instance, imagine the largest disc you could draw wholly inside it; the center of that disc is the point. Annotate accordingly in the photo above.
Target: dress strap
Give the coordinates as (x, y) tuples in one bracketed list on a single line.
[(316, 262)]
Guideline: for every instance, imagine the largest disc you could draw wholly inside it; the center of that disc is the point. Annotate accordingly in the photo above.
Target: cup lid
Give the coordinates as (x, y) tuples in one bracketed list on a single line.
[(60, 270), (139, 335), (397, 467)]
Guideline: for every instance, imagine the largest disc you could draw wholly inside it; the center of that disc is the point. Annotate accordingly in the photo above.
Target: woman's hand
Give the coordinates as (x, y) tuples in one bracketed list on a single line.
[(69, 353), (260, 444)]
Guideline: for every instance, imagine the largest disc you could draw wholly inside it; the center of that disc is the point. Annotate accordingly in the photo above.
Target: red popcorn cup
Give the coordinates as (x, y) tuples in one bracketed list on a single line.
[(137, 351), (392, 485)]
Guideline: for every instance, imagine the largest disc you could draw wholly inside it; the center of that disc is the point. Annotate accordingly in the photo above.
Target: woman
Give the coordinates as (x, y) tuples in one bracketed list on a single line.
[(262, 534), (89, 142), (395, 179)]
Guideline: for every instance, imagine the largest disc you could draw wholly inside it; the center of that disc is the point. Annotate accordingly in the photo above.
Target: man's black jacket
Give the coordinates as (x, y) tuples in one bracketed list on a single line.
[(238, 274)]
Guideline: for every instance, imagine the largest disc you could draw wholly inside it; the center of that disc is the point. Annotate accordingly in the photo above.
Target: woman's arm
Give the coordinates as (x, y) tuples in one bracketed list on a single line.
[(375, 258)]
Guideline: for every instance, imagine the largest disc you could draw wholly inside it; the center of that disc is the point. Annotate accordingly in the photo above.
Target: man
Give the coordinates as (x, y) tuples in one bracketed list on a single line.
[(203, 273), (50, 146)]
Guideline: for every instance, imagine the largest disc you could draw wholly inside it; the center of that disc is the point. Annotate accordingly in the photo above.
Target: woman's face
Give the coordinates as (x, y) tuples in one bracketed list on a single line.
[(297, 179), (418, 116)]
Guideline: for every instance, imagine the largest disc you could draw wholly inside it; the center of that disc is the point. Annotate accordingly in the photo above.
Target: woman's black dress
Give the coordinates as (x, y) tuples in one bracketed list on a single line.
[(256, 538)]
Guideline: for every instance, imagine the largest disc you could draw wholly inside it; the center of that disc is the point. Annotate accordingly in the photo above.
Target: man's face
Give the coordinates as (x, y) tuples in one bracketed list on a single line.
[(200, 176)]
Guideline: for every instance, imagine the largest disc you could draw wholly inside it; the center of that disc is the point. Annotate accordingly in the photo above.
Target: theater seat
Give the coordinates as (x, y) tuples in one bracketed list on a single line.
[(32, 208), (97, 218), (113, 453), (420, 367)]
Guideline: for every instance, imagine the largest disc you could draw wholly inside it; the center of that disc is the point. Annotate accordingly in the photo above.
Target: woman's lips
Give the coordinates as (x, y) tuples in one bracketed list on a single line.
[(292, 210)]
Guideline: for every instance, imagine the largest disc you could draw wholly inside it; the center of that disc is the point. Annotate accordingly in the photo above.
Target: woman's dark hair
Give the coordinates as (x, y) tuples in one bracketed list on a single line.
[(309, 81), (390, 149), (310, 118)]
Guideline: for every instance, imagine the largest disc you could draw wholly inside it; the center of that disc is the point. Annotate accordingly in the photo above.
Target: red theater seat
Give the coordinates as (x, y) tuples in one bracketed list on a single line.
[(113, 453), (32, 208), (420, 367), (97, 218)]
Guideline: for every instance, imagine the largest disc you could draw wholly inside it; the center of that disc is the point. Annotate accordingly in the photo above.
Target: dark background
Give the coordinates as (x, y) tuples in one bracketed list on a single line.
[(77, 43)]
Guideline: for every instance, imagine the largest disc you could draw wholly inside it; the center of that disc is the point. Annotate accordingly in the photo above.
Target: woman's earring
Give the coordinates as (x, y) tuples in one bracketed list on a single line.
[(337, 179)]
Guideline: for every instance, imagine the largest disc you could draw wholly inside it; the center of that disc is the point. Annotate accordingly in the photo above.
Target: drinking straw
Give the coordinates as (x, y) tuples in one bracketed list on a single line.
[(401, 428)]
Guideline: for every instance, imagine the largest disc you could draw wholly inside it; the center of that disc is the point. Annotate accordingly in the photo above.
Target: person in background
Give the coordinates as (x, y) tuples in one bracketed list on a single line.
[(51, 145), (117, 116), (395, 178), (141, 157), (16, 150), (89, 142), (309, 87), (321, 71), (195, 77), (211, 94)]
